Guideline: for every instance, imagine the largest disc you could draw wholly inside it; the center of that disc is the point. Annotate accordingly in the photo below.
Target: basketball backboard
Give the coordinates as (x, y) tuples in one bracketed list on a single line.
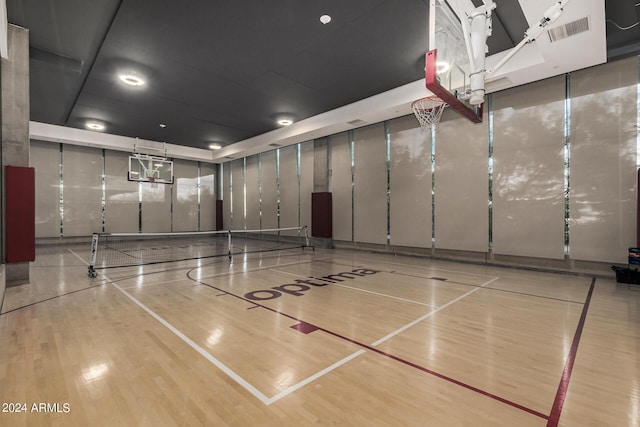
[(146, 168), (539, 39), (447, 64)]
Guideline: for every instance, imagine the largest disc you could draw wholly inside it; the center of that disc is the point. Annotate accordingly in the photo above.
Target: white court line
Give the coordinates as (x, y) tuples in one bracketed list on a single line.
[(251, 270), (386, 295), (424, 267), (314, 377), (237, 378), (360, 290), (79, 257), (224, 368), (420, 319)]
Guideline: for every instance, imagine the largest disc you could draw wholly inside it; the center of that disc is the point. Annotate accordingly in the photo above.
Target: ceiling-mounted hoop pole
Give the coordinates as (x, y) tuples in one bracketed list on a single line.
[(549, 17)]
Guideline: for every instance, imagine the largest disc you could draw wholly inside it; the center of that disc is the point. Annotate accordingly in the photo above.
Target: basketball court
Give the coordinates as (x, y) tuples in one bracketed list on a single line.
[(302, 336), (302, 326)]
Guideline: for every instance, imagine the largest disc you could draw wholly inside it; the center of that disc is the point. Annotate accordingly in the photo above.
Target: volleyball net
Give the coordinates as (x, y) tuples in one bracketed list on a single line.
[(111, 250)]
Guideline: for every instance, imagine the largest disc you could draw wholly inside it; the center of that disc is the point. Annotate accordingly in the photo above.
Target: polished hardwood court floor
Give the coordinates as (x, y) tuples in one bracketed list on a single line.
[(324, 337)]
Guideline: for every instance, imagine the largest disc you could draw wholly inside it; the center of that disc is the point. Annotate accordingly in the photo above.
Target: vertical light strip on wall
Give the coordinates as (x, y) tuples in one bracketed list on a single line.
[(490, 169), (198, 192), (104, 189), (139, 207), (60, 194), (278, 187), (244, 193), (432, 136), (259, 160), (172, 186), (230, 225), (350, 135), (638, 118), (567, 157), (298, 149), (387, 141)]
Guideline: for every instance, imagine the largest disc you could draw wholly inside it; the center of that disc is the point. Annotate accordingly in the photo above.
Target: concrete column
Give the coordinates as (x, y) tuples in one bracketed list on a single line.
[(14, 76)]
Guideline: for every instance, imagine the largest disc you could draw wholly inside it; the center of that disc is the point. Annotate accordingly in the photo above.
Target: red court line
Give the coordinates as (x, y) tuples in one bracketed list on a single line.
[(561, 394), (382, 353)]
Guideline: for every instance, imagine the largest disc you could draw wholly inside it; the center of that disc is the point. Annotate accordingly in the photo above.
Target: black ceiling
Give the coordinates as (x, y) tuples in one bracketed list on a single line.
[(225, 71)]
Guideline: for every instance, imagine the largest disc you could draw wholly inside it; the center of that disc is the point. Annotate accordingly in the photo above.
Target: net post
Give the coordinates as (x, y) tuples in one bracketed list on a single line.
[(229, 243), (92, 258), (306, 235)]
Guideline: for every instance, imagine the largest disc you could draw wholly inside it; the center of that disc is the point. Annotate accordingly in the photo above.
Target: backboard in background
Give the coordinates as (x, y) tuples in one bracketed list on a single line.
[(147, 168), (447, 69)]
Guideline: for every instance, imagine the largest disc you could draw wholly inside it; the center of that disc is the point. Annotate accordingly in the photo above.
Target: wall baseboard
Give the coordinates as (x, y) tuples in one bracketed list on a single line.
[(562, 266)]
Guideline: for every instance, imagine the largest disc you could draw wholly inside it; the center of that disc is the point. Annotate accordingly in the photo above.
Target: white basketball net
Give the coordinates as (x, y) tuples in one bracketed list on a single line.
[(428, 111)]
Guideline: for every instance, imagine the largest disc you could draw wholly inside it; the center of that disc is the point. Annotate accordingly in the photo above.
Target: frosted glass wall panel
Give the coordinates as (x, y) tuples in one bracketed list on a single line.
[(289, 188), (528, 170), (207, 197), (156, 208), (370, 185), (341, 186), (252, 178), (82, 190), (237, 185), (306, 183), (461, 184), (603, 161), (185, 195), (45, 158), (122, 207), (269, 190), (227, 197), (410, 152)]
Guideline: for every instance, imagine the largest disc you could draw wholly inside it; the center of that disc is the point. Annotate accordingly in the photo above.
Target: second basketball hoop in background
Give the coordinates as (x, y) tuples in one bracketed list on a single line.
[(428, 111)]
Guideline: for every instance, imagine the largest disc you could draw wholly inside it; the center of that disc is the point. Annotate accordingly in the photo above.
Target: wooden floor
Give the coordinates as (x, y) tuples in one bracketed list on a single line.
[(322, 337)]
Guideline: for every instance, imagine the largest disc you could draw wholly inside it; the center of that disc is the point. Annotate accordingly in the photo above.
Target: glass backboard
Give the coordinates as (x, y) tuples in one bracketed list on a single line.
[(447, 68)]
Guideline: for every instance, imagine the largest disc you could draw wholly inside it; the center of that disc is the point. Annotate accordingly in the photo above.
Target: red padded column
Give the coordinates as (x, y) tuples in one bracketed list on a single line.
[(321, 215), (20, 217), (219, 224)]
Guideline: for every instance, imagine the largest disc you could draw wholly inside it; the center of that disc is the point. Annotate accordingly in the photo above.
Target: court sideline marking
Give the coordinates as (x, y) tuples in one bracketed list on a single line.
[(224, 368), (213, 276), (267, 401), (389, 355), (426, 316), (358, 289), (561, 394)]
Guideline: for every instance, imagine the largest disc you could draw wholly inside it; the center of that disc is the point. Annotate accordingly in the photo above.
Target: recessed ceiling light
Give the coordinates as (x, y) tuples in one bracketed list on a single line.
[(131, 79), (162, 125), (325, 19), (94, 126), (215, 146), (285, 122)]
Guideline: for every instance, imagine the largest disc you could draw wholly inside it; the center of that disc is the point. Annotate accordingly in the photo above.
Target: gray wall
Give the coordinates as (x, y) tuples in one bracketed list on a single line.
[(84, 190), (549, 174)]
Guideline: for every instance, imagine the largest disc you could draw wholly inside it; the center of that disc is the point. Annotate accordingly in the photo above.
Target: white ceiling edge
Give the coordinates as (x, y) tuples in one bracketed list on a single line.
[(66, 135), (542, 59), (378, 108)]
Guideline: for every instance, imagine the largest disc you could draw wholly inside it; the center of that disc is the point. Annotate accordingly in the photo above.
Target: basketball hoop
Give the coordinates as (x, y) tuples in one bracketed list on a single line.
[(153, 182), (428, 111)]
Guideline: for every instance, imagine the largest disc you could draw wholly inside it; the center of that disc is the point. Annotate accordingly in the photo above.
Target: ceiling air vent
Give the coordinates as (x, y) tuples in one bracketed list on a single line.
[(274, 145), (568, 30), (357, 122)]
